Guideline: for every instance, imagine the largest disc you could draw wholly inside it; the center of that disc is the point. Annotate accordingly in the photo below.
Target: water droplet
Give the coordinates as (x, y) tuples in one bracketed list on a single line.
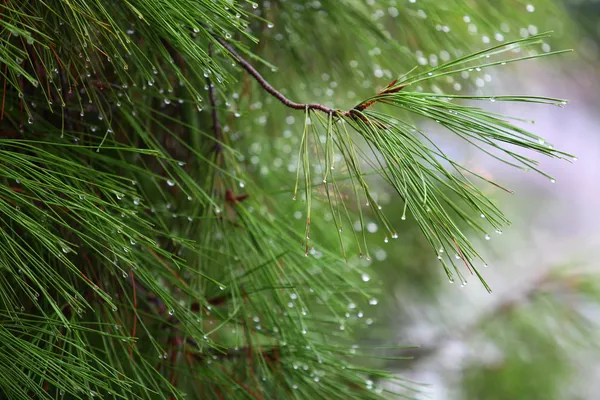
[(552, 180), (487, 237), (482, 215), (365, 277), (373, 302), (171, 312), (386, 240), (119, 196)]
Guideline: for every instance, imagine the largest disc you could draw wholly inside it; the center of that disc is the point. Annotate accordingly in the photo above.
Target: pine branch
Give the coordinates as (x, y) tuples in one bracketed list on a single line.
[(412, 167)]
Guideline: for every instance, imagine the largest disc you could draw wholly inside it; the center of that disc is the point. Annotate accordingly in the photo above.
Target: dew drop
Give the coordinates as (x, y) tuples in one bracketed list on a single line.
[(170, 182), (487, 237), (373, 302), (365, 277), (171, 312)]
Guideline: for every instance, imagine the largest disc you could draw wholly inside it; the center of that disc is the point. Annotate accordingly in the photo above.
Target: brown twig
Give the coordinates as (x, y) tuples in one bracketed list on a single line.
[(353, 113), (266, 85)]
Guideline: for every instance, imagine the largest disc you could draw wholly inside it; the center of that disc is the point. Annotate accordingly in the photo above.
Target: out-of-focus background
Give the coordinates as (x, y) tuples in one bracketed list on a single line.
[(555, 231), (535, 336)]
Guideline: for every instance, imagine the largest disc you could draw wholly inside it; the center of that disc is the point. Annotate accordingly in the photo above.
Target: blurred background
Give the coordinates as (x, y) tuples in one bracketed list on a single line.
[(535, 336)]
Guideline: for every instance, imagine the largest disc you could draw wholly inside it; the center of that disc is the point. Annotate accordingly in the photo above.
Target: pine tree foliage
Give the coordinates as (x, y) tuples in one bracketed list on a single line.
[(147, 253)]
